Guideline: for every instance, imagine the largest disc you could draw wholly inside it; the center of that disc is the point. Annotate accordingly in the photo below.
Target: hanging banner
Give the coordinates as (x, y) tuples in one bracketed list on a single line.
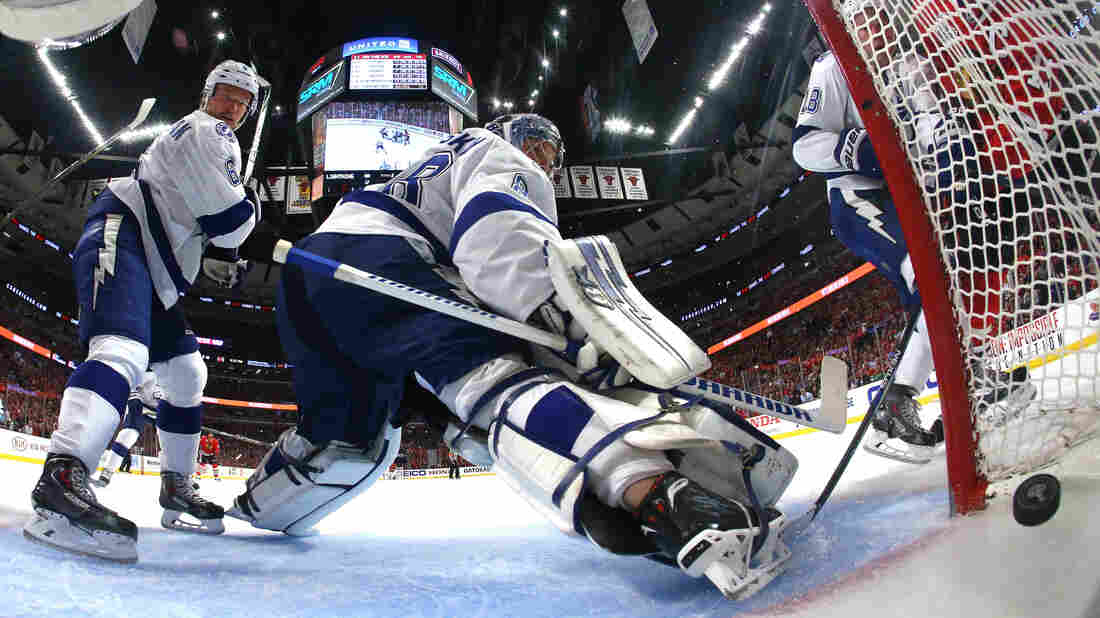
[(634, 182), (561, 184), (584, 181), (297, 195), (640, 23), (610, 186), (277, 184)]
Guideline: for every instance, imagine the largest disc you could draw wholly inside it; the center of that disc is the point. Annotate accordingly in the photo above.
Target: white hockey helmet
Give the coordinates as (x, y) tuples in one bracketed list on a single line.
[(236, 74), (518, 128)]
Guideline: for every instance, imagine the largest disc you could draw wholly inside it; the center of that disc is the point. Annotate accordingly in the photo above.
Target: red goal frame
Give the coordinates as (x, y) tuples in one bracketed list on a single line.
[(967, 486)]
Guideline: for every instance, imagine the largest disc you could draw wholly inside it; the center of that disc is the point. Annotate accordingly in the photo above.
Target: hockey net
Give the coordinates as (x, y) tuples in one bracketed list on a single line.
[(985, 118)]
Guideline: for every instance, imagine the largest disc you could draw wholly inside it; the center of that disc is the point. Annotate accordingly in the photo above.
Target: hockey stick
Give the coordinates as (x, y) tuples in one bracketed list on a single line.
[(832, 419), (143, 113), (236, 437), (799, 526)]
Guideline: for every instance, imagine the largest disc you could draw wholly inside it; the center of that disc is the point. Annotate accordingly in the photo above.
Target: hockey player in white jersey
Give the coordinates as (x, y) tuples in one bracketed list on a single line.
[(471, 221), (141, 410), (830, 138), (146, 238)]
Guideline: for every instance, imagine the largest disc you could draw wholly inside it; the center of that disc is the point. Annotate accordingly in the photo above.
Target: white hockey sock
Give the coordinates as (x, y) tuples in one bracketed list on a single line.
[(84, 426), (916, 361), (114, 460), (178, 451)]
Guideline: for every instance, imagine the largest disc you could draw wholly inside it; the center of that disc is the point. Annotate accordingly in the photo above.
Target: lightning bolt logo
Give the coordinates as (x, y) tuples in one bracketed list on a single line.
[(107, 255), (870, 212)]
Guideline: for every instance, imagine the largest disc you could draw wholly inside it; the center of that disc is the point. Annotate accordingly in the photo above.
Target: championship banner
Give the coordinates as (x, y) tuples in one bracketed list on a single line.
[(634, 182), (584, 181), (610, 187), (297, 195), (277, 184), (561, 184)]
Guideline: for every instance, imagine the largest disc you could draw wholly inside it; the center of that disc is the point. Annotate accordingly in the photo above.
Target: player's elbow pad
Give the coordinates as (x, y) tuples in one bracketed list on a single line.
[(232, 225)]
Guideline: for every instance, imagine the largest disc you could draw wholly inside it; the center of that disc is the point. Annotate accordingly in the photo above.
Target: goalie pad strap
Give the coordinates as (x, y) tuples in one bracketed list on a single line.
[(580, 464)]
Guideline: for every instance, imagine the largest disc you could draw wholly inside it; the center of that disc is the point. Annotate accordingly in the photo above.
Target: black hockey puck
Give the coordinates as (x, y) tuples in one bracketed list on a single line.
[(1036, 500)]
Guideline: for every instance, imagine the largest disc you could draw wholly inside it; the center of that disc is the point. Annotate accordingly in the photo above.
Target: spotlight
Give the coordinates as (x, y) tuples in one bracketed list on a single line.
[(221, 36), (563, 12), (214, 14), (557, 33)]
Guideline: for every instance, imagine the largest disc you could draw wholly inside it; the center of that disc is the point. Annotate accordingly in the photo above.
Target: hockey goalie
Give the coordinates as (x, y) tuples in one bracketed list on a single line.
[(635, 471)]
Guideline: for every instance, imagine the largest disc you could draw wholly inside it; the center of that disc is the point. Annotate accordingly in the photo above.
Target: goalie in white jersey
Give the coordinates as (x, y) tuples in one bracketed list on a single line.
[(142, 247), (471, 221)]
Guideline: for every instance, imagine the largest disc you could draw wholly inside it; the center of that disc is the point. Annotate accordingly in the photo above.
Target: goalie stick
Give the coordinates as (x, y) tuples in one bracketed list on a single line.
[(799, 526), (831, 417), (143, 113)]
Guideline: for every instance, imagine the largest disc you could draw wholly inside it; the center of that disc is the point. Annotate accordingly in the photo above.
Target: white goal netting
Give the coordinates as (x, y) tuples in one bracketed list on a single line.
[(996, 104)]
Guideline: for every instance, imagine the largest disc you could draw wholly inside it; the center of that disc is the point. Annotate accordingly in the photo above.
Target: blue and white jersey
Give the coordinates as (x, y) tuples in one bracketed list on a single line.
[(828, 113), (194, 196), (481, 205)]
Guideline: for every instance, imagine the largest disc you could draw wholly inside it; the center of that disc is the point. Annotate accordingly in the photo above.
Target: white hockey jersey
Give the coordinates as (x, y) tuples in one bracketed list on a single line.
[(192, 196), (828, 110), (481, 204)]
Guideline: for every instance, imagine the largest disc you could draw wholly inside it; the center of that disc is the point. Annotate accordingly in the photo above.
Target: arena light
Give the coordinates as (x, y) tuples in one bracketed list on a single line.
[(700, 248), (563, 12), (67, 93), (145, 133), (278, 108), (507, 105), (617, 125), (221, 36), (530, 102), (785, 193), (808, 248), (545, 63), (643, 272), (720, 75), (682, 126), (214, 14), (534, 93), (496, 103), (666, 262), (556, 33)]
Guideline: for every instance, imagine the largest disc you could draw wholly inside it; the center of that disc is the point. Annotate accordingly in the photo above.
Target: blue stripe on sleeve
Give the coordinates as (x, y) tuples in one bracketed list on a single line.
[(387, 204), (228, 220), (485, 204), (160, 238)]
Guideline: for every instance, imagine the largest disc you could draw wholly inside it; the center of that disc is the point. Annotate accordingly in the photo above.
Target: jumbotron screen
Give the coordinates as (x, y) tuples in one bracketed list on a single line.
[(379, 135)]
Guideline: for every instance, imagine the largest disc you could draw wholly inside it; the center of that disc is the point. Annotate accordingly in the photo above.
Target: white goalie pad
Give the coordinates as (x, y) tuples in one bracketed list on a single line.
[(294, 498), (704, 434), (590, 280)]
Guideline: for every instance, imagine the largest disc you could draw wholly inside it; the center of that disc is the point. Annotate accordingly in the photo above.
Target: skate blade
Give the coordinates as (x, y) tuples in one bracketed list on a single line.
[(55, 531), (236, 513), (878, 443), (738, 581), (173, 520)]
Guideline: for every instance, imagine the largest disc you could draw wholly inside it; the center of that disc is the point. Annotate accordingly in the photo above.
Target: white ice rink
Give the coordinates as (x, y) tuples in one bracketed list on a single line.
[(883, 546)]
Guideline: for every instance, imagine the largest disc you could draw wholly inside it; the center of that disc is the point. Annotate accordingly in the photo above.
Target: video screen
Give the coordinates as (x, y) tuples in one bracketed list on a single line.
[(367, 135)]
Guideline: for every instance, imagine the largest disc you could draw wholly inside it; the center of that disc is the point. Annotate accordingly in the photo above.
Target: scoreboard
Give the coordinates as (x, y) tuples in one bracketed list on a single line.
[(388, 72)]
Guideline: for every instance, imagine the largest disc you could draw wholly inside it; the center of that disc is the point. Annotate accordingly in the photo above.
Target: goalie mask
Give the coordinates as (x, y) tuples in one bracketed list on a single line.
[(517, 129), (236, 74)]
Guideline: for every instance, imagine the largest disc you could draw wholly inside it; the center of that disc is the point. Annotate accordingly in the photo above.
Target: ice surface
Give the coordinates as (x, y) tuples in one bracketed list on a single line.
[(883, 546)]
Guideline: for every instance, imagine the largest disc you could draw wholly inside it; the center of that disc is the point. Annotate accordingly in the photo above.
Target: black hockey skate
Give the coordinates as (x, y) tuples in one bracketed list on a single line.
[(68, 516), (898, 417), (708, 534), (177, 496)]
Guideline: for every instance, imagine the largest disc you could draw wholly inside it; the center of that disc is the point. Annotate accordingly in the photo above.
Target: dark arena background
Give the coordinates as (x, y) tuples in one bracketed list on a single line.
[(678, 120)]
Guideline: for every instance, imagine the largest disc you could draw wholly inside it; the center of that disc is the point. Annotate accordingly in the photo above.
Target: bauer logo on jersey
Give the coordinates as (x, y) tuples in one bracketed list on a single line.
[(813, 102), (231, 171), (223, 130), (519, 185)]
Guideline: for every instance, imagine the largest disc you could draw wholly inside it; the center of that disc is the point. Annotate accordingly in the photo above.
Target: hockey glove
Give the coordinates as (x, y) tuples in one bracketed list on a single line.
[(223, 267), (854, 151), (594, 367)]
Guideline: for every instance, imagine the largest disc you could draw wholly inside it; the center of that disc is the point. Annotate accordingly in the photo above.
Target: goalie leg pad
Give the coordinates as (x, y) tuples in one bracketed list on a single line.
[(298, 484), (712, 438), (592, 283), (549, 442)]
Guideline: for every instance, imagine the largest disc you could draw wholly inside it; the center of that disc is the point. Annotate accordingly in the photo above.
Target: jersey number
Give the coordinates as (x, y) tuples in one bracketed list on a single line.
[(408, 188)]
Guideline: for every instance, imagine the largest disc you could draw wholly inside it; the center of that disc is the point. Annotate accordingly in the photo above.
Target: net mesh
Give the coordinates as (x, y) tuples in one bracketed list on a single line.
[(996, 104)]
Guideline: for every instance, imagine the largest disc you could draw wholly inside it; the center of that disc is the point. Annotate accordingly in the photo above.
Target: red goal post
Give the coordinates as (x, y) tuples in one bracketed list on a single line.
[(967, 487)]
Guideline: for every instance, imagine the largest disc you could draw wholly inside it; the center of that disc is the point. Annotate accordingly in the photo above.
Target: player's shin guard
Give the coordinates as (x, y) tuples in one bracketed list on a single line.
[(297, 484), (91, 406)]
